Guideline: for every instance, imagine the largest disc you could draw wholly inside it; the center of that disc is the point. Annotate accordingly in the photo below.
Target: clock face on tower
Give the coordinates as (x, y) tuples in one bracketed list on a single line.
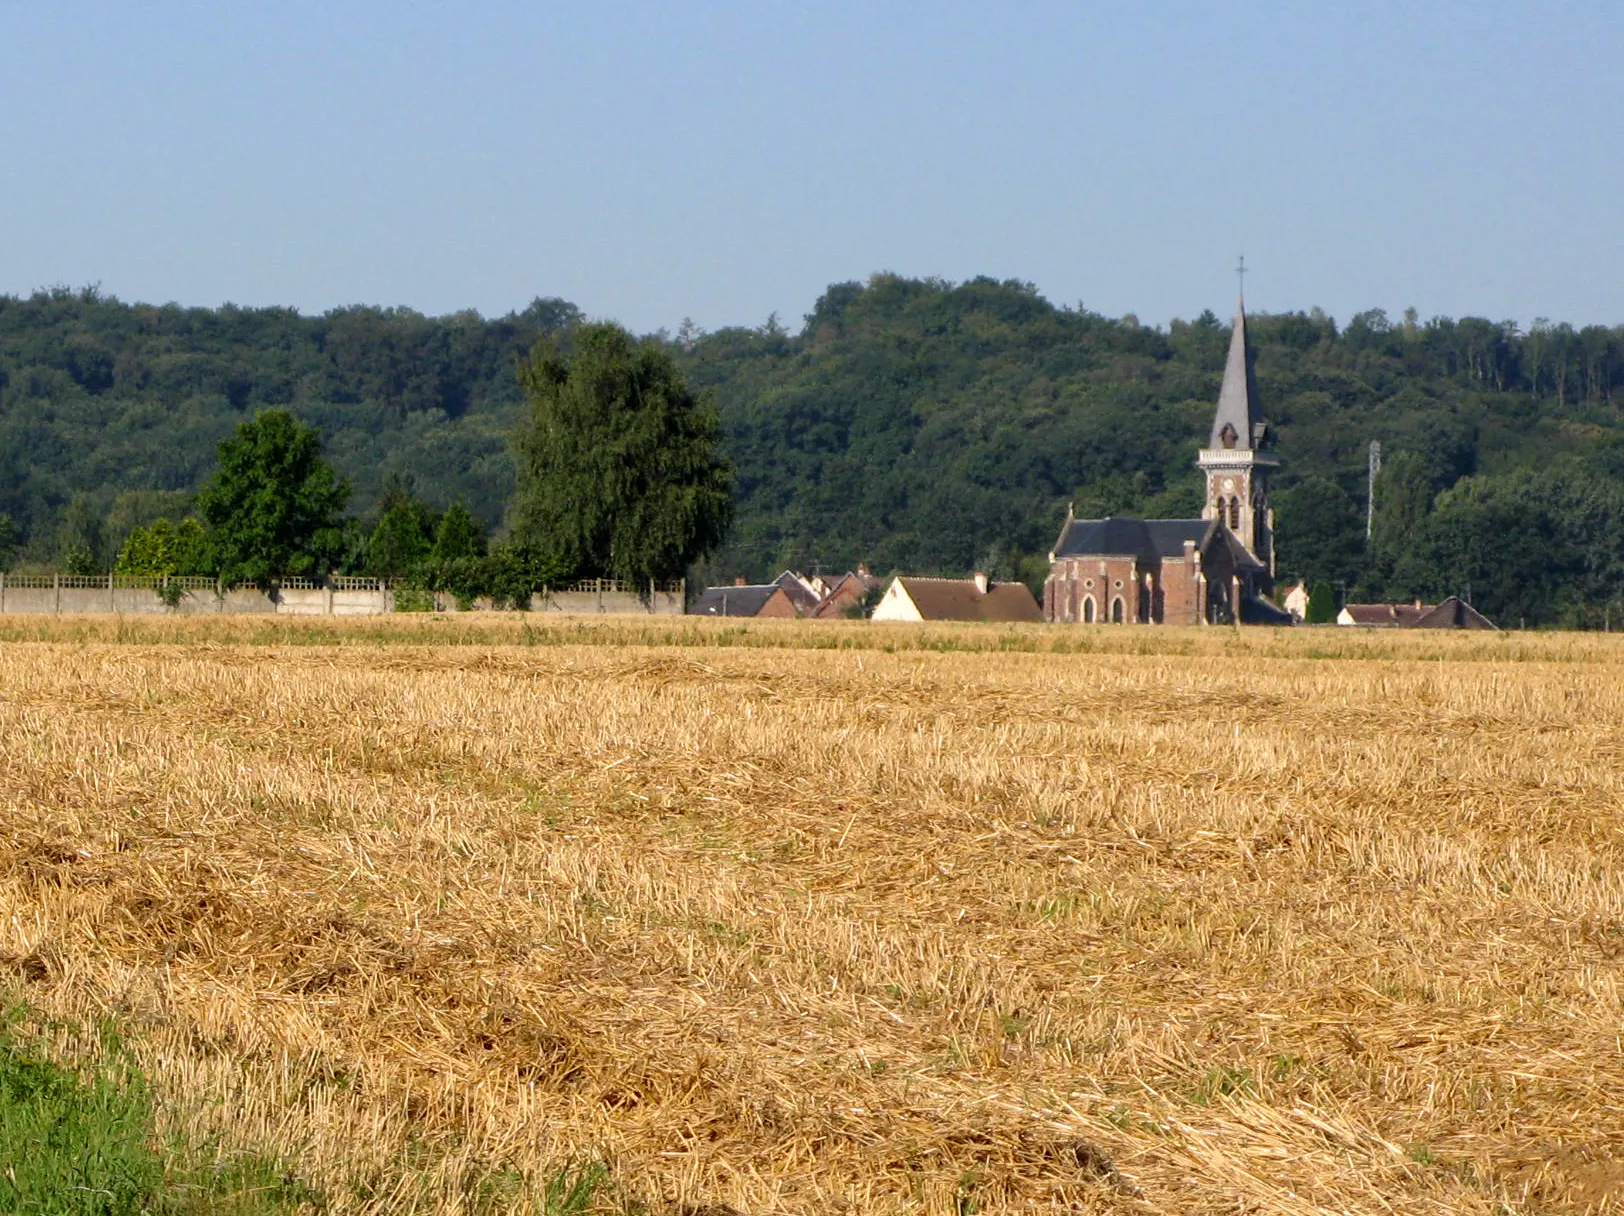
[(1229, 484)]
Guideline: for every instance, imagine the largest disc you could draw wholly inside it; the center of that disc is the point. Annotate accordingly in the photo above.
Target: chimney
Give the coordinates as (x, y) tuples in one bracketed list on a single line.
[(739, 582), (981, 582)]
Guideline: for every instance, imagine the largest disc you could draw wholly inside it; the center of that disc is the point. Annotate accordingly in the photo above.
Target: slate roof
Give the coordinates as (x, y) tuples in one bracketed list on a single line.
[(1255, 610), (805, 599), (1237, 399), (733, 601), (959, 599), (1453, 613), (1147, 539)]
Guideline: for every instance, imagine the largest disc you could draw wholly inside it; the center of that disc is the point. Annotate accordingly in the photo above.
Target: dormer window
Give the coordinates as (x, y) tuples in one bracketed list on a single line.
[(1227, 436)]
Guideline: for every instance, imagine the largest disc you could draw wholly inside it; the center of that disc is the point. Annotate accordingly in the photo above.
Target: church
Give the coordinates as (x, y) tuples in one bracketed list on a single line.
[(1214, 570)]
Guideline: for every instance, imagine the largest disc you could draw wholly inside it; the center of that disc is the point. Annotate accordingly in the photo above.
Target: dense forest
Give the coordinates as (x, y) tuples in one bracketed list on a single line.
[(911, 424)]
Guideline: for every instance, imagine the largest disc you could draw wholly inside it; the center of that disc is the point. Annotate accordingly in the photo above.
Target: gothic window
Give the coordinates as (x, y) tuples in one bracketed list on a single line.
[(1088, 610), (1227, 436), (1235, 512), (1116, 611)]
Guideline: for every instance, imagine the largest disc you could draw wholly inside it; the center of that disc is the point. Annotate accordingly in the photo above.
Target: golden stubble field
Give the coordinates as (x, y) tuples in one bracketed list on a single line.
[(1181, 922)]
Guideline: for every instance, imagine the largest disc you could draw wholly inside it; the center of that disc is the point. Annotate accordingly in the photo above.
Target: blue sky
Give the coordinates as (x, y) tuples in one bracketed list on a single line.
[(722, 161)]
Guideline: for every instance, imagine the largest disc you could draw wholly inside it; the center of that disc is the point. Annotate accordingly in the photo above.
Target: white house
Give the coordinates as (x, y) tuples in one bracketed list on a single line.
[(956, 599)]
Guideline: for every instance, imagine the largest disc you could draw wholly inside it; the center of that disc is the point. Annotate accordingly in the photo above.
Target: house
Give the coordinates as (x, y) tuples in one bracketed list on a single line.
[(846, 595), (1296, 602), (805, 593), (744, 599), (1383, 616), (1454, 613), (1213, 570), (1451, 613), (956, 599)]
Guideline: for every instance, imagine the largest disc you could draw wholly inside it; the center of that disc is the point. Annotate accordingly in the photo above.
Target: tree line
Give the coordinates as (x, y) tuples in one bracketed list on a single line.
[(619, 476), (914, 424)]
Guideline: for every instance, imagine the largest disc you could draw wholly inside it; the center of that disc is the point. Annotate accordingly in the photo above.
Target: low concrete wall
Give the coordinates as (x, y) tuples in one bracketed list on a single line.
[(661, 603), (311, 602), (28, 599), (243, 600), (302, 601), (361, 603)]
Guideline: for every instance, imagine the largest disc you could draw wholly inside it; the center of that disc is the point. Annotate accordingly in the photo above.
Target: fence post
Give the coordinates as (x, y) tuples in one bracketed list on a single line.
[(2, 590), (110, 591), (327, 598)]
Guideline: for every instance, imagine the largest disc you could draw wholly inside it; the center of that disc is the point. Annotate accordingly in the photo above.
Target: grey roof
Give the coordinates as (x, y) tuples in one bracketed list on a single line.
[(733, 601), (1145, 538), (1255, 610), (803, 597), (1454, 613), (1237, 399), (1148, 539)]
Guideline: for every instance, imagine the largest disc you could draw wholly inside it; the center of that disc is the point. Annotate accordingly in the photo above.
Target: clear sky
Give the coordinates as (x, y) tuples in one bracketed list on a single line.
[(723, 161)]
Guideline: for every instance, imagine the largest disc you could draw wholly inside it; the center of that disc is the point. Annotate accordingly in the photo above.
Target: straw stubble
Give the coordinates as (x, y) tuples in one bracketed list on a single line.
[(812, 930)]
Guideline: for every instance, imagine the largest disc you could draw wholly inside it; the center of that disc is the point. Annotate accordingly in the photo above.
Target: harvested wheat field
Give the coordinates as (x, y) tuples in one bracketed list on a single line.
[(837, 917)]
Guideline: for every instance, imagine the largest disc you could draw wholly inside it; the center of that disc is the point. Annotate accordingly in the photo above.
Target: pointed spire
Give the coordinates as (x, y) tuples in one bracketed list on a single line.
[(1238, 422)]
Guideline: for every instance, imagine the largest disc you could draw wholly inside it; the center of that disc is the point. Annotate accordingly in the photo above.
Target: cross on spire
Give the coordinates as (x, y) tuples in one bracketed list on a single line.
[(1240, 277)]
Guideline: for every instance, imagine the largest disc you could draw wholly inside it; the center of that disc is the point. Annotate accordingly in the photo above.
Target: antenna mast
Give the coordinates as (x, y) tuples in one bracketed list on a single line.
[(1370, 486)]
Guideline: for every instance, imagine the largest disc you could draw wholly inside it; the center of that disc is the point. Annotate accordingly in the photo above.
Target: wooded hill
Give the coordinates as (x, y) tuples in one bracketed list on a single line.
[(912, 424)]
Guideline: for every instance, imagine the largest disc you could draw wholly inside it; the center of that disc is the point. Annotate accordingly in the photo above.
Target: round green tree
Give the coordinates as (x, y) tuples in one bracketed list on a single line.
[(273, 506)]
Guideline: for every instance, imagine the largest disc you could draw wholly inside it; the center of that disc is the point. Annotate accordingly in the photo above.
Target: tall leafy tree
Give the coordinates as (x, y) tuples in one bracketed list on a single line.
[(8, 541), (459, 536), (1320, 531), (1321, 604), (81, 541), (1404, 493), (398, 543), (619, 463), (273, 506)]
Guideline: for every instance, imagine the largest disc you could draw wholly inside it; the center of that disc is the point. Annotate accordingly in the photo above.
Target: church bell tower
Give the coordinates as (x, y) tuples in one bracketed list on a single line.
[(1236, 462)]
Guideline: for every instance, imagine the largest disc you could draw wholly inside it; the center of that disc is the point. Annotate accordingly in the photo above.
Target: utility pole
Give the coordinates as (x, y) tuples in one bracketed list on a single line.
[(1370, 486)]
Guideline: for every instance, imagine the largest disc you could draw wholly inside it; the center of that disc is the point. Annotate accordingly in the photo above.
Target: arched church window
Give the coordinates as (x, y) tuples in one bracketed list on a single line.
[(1227, 436), (1234, 512), (1116, 611), (1088, 610)]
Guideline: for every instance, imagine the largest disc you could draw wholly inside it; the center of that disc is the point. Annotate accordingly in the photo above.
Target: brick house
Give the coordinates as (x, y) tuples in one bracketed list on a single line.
[(846, 595), (1212, 570)]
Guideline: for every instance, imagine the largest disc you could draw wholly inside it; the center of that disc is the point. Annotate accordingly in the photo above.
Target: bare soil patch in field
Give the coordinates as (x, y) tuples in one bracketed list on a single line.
[(837, 918)]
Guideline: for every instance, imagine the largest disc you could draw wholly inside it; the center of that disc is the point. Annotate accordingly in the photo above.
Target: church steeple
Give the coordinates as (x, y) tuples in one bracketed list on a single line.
[(1234, 461), (1238, 421)]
